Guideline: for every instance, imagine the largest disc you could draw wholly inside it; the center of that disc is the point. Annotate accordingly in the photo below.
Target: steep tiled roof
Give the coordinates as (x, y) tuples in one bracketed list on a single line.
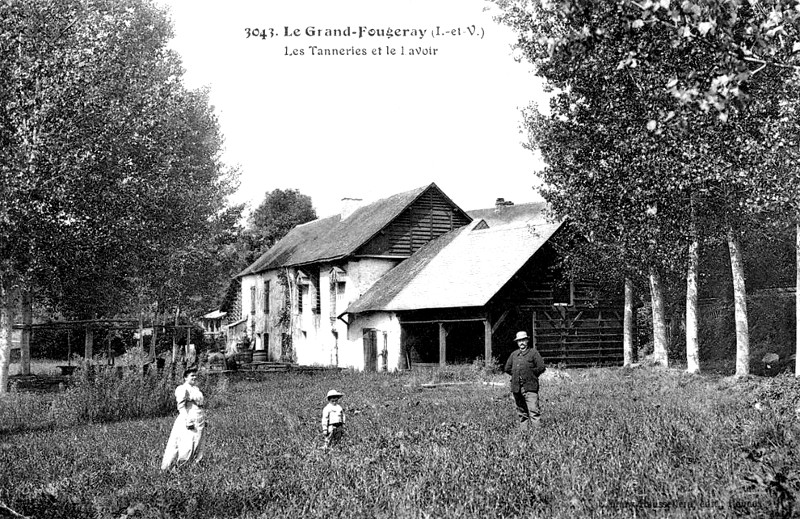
[(333, 238), (463, 268)]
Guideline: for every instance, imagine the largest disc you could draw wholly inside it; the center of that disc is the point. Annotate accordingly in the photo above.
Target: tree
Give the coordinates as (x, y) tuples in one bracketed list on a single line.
[(278, 214), (645, 90), (100, 150), (605, 171)]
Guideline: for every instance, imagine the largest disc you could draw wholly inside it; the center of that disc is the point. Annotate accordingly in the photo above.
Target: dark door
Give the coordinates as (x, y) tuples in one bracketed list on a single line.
[(370, 350)]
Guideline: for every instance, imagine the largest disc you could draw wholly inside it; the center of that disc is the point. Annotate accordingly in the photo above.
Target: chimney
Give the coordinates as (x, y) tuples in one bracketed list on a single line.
[(501, 202), (349, 205)]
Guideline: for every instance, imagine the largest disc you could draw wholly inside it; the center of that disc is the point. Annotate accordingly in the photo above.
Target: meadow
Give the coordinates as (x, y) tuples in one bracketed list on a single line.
[(614, 443)]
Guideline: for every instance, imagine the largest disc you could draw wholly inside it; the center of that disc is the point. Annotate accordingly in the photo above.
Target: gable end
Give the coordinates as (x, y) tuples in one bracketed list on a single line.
[(431, 215)]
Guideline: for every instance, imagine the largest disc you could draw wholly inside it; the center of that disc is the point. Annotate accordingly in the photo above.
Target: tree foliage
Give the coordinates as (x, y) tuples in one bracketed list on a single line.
[(113, 189), (278, 214), (661, 118)]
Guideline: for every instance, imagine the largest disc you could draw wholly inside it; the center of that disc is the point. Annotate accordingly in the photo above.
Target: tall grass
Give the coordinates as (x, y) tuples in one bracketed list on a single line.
[(99, 395), (614, 443)]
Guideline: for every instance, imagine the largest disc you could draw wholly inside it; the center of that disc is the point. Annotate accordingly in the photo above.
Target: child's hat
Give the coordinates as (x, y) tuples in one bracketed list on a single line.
[(333, 393)]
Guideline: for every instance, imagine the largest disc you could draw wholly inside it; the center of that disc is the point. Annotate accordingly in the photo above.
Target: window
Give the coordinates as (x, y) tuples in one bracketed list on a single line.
[(337, 280), (315, 304), (340, 294), (301, 292), (303, 282), (333, 298), (252, 299), (266, 297)]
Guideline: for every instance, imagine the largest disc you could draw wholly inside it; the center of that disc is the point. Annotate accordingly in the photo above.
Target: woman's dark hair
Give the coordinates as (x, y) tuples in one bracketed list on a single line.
[(188, 372)]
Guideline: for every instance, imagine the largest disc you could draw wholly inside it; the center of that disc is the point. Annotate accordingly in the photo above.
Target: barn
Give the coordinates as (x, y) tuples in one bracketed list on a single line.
[(464, 295)]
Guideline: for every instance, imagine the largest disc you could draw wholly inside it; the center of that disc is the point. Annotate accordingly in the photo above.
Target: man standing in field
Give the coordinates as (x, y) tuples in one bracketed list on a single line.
[(525, 365)]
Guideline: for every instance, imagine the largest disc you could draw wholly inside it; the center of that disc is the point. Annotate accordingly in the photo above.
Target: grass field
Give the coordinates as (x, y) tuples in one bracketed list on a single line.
[(614, 443)]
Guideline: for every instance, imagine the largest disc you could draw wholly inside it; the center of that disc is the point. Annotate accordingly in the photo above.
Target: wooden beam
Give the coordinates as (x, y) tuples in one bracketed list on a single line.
[(499, 321), (87, 344), (487, 341), (109, 353), (438, 321), (442, 345), (533, 330), (141, 333)]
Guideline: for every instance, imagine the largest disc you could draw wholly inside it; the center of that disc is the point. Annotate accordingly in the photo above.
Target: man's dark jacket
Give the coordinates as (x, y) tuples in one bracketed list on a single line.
[(525, 368)]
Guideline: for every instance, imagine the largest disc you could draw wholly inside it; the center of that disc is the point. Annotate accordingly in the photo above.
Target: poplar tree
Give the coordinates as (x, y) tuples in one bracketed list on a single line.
[(108, 164)]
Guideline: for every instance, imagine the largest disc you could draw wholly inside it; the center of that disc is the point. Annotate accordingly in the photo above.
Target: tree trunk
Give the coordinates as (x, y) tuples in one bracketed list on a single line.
[(27, 333), (740, 306), (627, 325), (797, 302), (692, 343), (7, 307), (659, 320)]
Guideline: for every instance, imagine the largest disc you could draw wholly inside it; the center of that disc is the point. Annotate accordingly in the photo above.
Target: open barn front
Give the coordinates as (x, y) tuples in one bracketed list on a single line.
[(564, 336), (506, 323), (425, 344), (579, 338)]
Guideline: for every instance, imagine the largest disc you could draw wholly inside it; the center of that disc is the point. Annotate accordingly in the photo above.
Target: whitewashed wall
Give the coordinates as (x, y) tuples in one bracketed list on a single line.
[(313, 337)]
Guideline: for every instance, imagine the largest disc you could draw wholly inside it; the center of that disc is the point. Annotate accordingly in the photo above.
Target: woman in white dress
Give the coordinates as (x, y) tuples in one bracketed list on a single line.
[(185, 442)]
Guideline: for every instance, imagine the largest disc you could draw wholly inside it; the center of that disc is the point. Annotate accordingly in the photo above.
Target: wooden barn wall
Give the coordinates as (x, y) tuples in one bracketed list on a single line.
[(587, 333), (429, 217)]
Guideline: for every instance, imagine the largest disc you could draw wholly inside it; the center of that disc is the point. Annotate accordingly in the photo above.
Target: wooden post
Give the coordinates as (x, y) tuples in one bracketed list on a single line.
[(69, 347), (175, 337), (487, 342), (533, 330), (442, 345), (153, 338), (87, 344), (141, 332), (404, 355), (109, 356), (27, 331)]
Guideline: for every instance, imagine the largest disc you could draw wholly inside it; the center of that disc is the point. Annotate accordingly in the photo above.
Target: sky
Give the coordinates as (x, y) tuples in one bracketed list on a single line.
[(363, 126)]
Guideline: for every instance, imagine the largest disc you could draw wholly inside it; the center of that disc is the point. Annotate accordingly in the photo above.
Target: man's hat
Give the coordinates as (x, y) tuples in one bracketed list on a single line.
[(520, 336), (332, 393)]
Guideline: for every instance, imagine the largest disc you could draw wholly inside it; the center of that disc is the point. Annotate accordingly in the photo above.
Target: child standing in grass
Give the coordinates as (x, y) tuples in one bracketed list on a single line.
[(333, 419)]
